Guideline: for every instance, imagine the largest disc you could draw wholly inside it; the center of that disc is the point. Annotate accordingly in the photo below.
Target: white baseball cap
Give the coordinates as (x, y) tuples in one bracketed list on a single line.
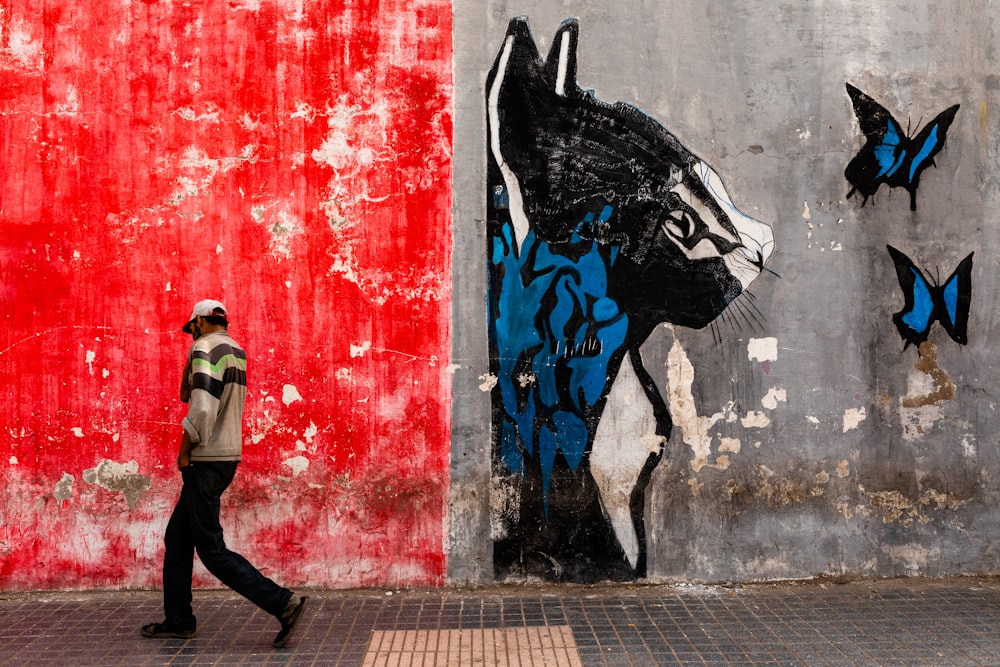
[(205, 308)]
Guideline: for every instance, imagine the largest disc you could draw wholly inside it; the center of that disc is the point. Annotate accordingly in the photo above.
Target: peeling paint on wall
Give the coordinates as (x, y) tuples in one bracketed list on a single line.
[(894, 506), (114, 476), (684, 409), (853, 418), (928, 387), (63, 491)]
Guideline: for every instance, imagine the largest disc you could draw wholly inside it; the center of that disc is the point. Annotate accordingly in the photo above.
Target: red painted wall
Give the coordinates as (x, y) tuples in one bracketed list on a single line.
[(290, 158)]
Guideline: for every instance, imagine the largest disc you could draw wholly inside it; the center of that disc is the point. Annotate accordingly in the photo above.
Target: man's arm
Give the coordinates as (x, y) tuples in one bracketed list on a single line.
[(186, 382), (184, 455)]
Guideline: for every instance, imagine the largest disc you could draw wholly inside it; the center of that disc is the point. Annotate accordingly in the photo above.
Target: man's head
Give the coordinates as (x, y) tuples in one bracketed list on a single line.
[(208, 315)]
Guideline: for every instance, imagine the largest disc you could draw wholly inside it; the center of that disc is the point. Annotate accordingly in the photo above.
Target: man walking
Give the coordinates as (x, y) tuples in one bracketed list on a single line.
[(215, 388)]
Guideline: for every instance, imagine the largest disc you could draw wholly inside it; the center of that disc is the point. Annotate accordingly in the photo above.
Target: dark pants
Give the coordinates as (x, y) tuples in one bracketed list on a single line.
[(195, 525)]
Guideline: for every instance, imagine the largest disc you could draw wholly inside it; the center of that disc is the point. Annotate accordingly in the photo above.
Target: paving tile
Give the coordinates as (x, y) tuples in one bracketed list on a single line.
[(947, 622)]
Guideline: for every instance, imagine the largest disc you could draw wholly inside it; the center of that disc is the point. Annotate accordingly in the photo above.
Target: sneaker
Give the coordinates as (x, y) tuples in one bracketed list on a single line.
[(164, 631), (289, 619)]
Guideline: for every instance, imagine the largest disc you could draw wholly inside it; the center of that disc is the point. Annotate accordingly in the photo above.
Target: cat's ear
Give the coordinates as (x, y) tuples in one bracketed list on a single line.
[(518, 52), (560, 67)]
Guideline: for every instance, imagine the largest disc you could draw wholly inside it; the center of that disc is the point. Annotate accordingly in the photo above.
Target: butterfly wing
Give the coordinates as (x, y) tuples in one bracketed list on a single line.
[(914, 321), (884, 152), (929, 142), (954, 300)]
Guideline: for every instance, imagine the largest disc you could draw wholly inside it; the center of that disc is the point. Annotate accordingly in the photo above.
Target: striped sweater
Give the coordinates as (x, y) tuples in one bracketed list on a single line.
[(214, 421)]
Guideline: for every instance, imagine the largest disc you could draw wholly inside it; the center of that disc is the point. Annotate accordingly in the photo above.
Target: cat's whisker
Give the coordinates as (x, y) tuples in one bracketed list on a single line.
[(748, 311), (741, 310), (757, 310)]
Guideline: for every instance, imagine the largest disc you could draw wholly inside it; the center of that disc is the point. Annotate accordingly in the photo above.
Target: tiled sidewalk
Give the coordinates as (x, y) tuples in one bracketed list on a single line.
[(900, 622)]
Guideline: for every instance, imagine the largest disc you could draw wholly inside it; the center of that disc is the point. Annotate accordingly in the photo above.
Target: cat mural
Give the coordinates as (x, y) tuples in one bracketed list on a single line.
[(601, 226)]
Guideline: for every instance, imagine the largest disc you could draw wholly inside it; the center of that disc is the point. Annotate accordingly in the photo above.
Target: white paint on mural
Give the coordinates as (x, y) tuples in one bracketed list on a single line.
[(625, 437), (518, 217)]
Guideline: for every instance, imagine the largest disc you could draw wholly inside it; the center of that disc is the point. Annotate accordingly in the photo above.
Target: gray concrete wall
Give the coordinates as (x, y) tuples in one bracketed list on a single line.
[(807, 441)]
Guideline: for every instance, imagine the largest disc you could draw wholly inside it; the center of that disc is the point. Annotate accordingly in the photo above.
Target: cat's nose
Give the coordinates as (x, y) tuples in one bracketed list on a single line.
[(756, 257), (757, 239)]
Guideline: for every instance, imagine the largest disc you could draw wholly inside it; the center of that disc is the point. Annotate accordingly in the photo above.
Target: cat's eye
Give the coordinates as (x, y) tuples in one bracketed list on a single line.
[(679, 224)]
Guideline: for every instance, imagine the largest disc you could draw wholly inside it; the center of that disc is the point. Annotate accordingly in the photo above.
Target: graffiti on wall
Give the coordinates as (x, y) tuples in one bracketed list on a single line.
[(601, 226), (927, 302), (890, 155)]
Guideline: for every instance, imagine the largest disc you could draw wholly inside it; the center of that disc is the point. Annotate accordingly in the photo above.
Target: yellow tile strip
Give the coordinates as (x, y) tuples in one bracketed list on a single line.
[(546, 646)]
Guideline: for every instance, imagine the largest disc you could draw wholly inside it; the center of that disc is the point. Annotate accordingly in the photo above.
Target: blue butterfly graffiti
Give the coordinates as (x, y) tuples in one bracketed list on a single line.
[(890, 156), (927, 302)]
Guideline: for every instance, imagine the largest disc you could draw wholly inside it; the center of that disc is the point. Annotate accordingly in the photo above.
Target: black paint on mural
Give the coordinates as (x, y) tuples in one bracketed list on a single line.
[(601, 226), (928, 302), (889, 156)]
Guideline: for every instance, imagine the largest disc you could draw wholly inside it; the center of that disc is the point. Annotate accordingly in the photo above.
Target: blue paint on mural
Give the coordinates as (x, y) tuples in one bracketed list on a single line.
[(601, 226), (553, 311), (887, 149), (927, 303)]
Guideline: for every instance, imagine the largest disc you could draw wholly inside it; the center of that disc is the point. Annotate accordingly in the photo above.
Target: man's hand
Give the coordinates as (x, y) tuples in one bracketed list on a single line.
[(184, 455)]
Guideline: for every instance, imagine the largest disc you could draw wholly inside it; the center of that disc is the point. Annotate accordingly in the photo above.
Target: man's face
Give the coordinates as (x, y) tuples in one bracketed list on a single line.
[(196, 326)]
